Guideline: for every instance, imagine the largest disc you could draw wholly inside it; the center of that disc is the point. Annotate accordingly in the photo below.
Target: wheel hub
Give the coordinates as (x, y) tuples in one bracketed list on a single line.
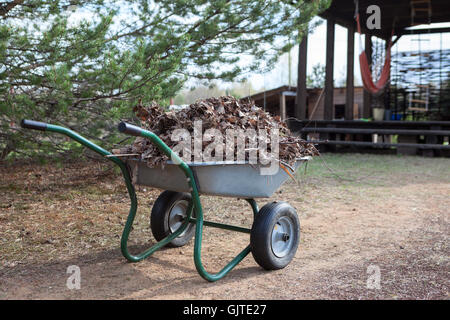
[(282, 237), (177, 216)]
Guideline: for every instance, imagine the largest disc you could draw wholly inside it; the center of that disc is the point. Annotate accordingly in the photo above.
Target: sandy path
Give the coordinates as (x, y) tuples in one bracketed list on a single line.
[(401, 227)]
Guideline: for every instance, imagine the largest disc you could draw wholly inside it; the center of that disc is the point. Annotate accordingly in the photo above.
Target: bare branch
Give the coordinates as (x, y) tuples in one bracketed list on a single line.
[(4, 9)]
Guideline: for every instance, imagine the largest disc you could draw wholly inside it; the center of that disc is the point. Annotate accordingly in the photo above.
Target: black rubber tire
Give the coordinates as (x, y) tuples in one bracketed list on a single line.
[(159, 218), (261, 235)]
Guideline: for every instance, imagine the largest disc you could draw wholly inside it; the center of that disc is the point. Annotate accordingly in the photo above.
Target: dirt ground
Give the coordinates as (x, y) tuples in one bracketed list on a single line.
[(359, 214)]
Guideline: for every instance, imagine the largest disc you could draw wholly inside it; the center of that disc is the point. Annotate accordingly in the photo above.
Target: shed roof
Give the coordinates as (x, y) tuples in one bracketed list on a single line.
[(343, 11)]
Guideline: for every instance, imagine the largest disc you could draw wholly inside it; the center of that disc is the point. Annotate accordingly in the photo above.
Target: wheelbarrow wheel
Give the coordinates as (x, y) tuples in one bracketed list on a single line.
[(168, 214), (275, 235)]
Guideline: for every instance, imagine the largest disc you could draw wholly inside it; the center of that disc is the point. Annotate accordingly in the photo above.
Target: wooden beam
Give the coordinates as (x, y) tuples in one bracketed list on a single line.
[(347, 23), (282, 107), (350, 94), (381, 145), (408, 132), (394, 41), (422, 31), (444, 125), (329, 85), (400, 10), (300, 101), (367, 98)]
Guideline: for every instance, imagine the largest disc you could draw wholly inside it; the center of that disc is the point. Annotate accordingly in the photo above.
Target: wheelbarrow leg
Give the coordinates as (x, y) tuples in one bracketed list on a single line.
[(29, 124), (198, 246), (129, 224)]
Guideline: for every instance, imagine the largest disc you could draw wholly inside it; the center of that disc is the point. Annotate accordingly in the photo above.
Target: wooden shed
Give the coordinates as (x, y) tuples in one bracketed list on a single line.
[(281, 101)]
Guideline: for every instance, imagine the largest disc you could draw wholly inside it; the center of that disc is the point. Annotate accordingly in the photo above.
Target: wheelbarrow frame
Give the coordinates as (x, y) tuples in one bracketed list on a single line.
[(194, 203)]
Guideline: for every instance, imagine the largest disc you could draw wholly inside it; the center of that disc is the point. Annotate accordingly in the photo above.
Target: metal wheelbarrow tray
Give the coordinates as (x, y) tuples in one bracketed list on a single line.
[(177, 214), (225, 179)]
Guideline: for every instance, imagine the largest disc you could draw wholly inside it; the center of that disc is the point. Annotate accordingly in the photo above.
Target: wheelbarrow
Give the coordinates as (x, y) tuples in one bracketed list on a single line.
[(177, 213)]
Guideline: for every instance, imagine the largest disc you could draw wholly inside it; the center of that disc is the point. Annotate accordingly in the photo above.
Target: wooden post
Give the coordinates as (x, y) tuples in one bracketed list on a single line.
[(350, 93), (301, 97), (329, 86), (282, 107), (367, 103)]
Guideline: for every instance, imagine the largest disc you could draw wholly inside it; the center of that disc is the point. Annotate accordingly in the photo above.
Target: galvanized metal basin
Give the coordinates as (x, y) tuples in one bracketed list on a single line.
[(226, 179)]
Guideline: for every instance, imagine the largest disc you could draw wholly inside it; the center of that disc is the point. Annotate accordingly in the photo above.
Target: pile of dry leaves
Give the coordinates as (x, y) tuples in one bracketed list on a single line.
[(221, 113)]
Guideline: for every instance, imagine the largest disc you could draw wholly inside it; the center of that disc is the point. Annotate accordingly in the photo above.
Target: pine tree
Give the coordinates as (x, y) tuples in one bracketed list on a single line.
[(84, 64)]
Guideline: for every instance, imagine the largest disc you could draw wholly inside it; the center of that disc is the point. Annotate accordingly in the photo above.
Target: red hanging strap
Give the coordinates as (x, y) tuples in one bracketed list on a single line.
[(366, 74)]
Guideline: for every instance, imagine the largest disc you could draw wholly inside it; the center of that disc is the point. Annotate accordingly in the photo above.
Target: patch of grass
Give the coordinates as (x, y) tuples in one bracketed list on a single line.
[(69, 195), (20, 206), (94, 191), (11, 188), (348, 166)]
